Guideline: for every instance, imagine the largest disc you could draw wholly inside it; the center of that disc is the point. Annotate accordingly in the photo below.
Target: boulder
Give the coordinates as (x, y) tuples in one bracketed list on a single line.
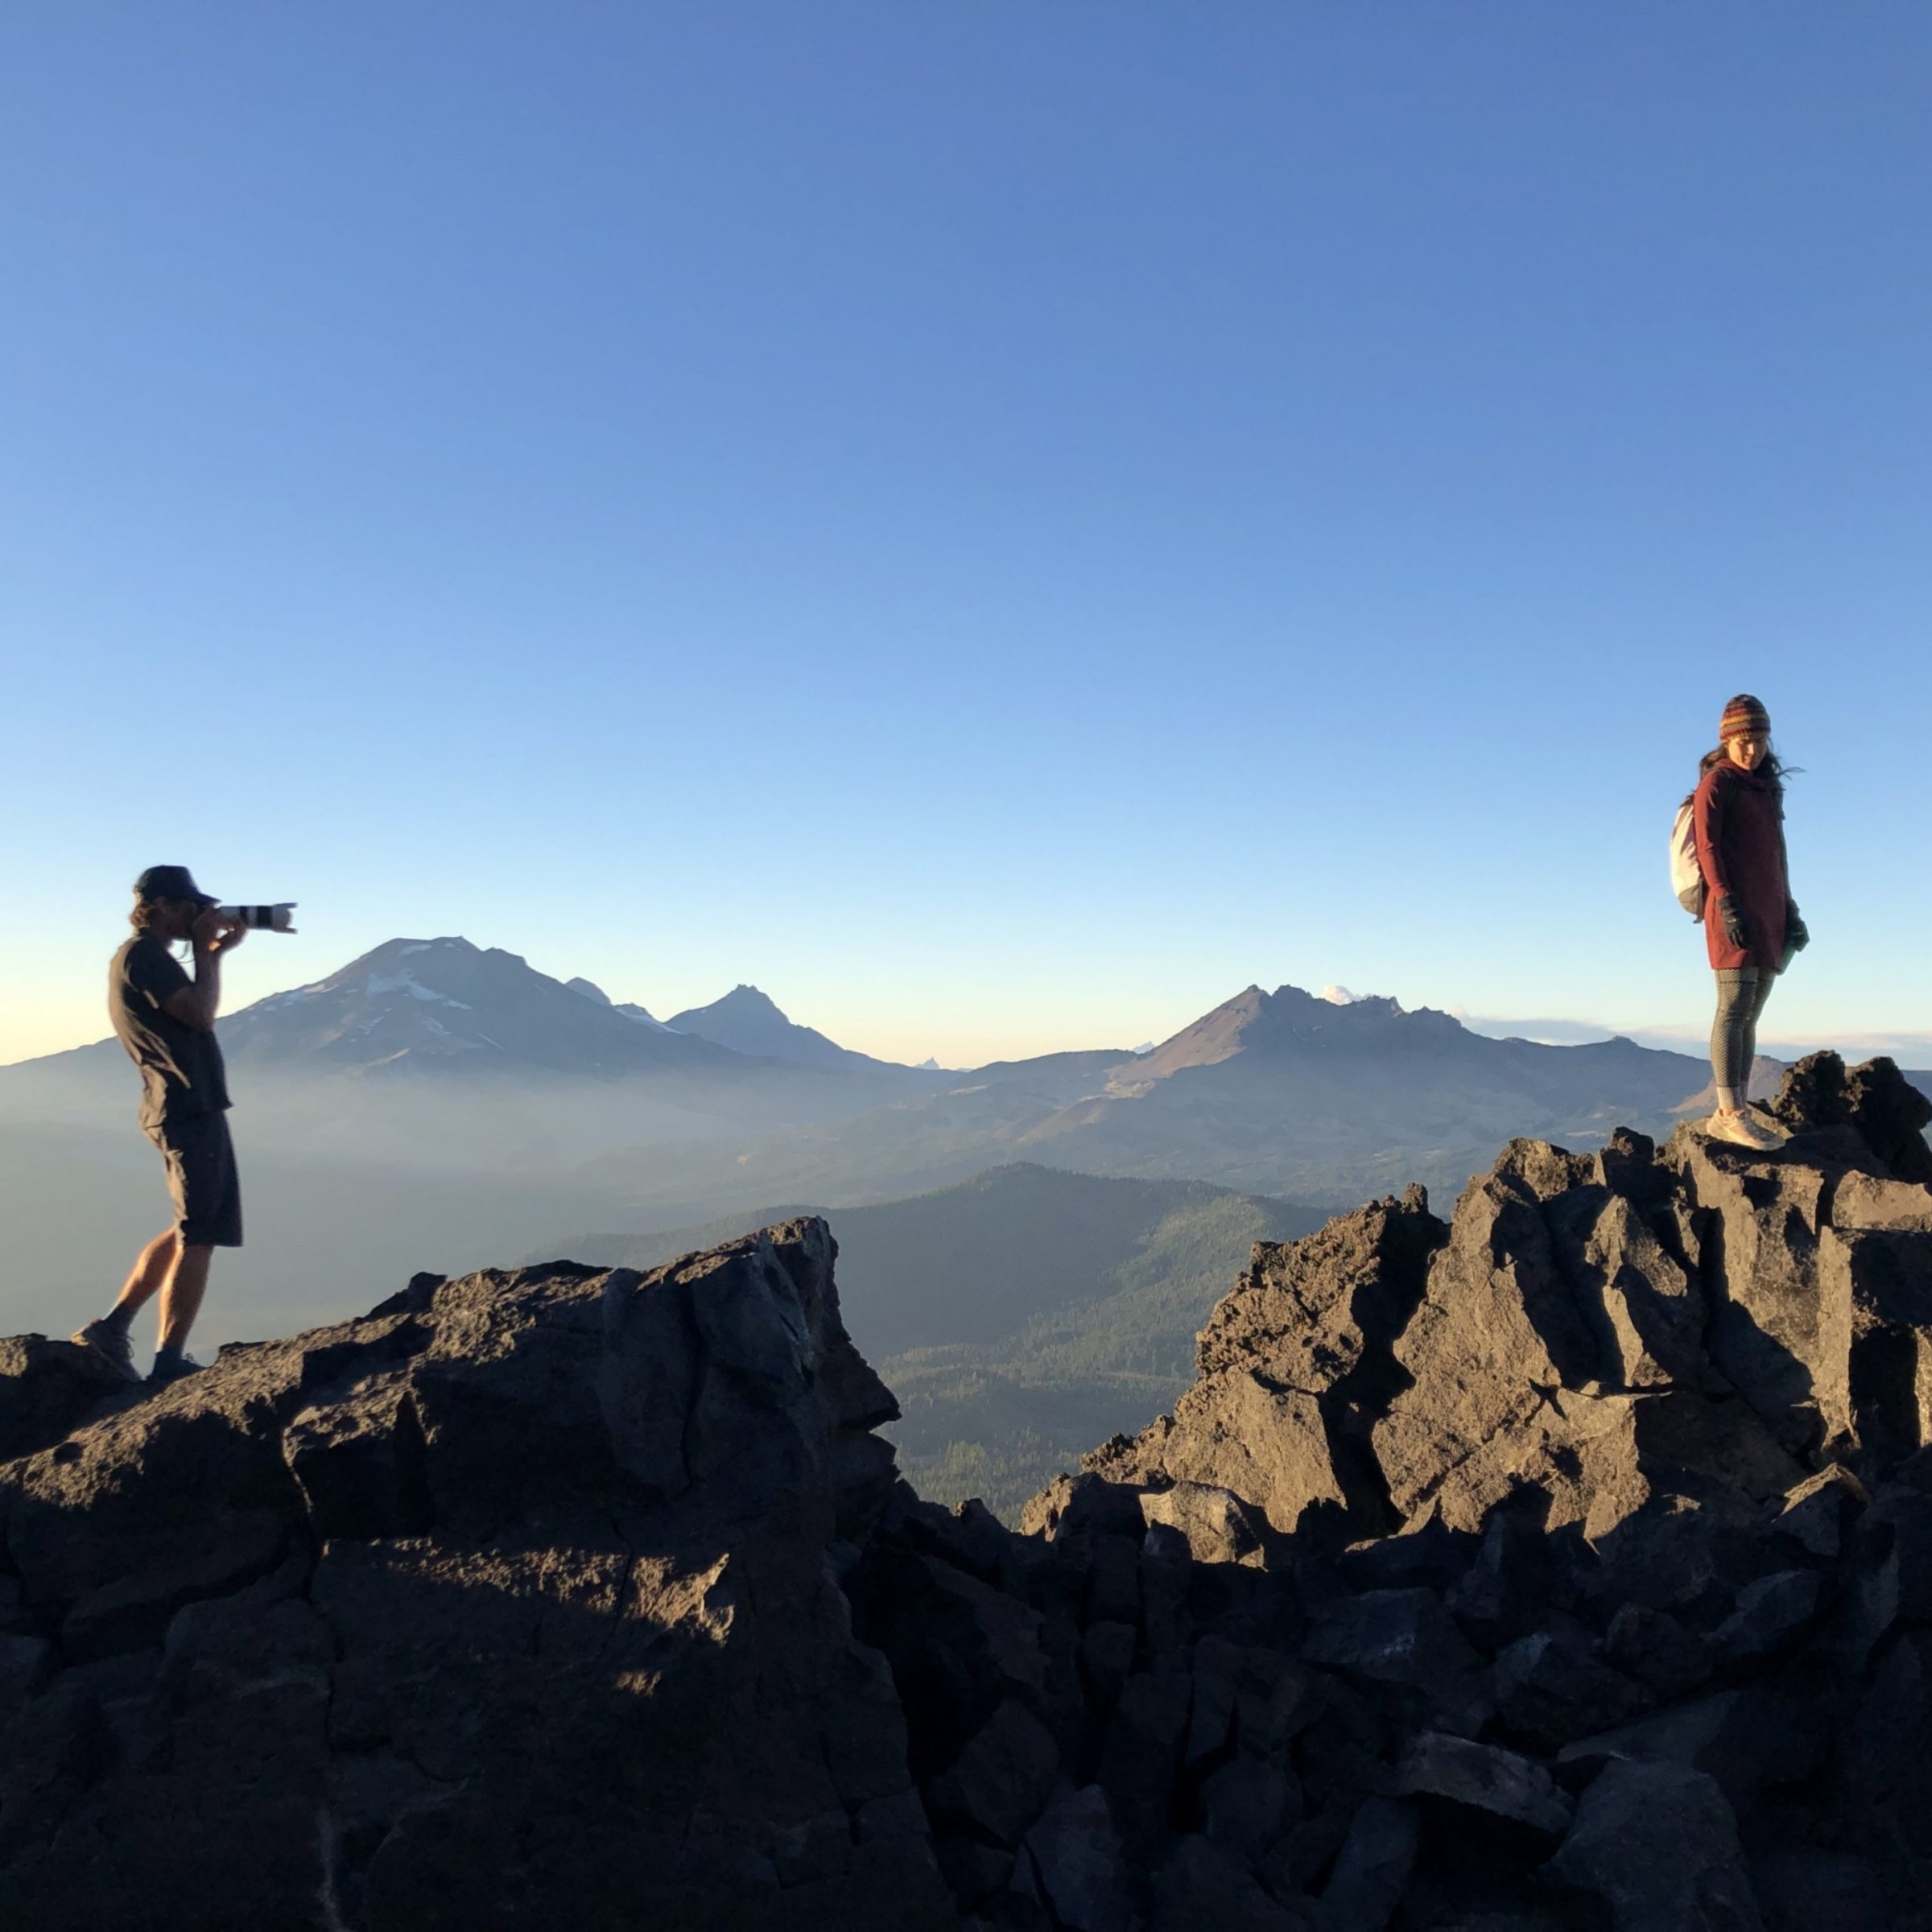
[(1658, 1651), (1373, 1869), (1404, 1637), (1745, 1740), (1215, 1523), (1813, 1517), (1484, 1778), (1772, 1615), (1001, 1779), (1085, 1505), (1077, 1860), (1658, 1843), (1550, 1690), (1890, 1579)]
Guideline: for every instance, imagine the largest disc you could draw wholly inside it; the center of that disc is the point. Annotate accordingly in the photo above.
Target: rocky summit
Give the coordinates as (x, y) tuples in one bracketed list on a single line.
[(1564, 1564)]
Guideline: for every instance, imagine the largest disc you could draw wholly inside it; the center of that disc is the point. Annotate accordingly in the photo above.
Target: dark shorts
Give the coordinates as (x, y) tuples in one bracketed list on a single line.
[(202, 1181)]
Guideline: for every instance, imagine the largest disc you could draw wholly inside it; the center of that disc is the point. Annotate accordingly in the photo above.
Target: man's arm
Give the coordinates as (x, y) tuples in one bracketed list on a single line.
[(197, 1005)]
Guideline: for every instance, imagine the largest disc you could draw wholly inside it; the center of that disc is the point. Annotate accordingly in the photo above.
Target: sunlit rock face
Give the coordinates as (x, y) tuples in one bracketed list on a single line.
[(1563, 1563)]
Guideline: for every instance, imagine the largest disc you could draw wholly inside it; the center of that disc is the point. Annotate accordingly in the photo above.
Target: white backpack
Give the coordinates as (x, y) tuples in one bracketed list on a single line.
[(1686, 876)]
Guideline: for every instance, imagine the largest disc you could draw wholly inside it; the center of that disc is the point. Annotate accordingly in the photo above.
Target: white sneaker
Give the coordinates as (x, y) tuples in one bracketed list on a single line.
[(1741, 1131)]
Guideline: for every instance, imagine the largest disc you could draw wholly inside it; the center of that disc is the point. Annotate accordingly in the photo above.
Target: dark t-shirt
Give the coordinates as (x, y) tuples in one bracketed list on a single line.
[(182, 1076)]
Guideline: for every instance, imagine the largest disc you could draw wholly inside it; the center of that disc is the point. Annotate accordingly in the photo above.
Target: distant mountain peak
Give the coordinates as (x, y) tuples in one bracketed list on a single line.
[(744, 998), (748, 1021), (444, 1003), (591, 991), (1289, 1021)]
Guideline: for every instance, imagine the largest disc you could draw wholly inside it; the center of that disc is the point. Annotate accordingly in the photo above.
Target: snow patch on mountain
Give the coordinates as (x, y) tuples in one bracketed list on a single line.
[(406, 982)]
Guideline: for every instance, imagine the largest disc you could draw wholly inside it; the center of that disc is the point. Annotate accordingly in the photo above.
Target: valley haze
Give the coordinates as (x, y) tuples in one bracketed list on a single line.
[(426, 1067), (1032, 1243)]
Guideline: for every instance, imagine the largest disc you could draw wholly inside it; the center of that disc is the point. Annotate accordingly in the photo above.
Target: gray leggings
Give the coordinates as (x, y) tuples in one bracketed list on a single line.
[(1741, 995)]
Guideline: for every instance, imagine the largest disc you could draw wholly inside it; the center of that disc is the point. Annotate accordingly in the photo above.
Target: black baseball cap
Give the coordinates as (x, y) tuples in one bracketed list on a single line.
[(170, 882)]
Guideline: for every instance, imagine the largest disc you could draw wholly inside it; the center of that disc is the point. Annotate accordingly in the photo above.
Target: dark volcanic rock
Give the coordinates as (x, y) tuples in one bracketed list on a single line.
[(1484, 1779), (1405, 1637), (46, 1389), (1660, 1845), (533, 1560), (1293, 1365), (1550, 1690), (1567, 1566), (1876, 1101), (1530, 1369), (1374, 1869)]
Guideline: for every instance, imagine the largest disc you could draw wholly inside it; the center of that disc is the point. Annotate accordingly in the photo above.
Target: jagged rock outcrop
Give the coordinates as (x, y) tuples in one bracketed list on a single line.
[(1624, 1335), (512, 1604), (1563, 1567), (1294, 1367)]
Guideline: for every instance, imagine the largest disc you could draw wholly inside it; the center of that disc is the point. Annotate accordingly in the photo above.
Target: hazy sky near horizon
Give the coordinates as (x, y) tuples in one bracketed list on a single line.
[(1000, 525)]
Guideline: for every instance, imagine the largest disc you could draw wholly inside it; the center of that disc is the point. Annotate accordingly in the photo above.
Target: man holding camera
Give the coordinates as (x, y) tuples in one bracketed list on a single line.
[(167, 1022)]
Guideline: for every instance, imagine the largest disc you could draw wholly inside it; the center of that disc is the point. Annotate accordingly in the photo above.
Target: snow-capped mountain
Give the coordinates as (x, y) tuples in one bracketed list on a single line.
[(440, 1004)]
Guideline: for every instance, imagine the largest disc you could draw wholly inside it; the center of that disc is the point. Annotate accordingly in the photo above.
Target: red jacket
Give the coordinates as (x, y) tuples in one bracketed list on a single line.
[(1740, 846)]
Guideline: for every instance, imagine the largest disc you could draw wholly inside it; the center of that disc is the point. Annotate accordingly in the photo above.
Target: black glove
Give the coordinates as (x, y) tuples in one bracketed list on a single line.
[(1797, 935), (1732, 921)]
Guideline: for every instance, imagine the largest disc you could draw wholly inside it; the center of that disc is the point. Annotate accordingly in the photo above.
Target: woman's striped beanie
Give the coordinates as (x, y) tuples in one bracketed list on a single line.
[(1745, 718)]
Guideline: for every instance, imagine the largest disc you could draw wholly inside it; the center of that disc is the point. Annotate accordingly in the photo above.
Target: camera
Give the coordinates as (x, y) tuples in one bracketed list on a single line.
[(261, 918)]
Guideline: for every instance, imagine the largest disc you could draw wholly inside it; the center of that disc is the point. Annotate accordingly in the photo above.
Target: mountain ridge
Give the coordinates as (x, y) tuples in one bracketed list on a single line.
[(447, 1006)]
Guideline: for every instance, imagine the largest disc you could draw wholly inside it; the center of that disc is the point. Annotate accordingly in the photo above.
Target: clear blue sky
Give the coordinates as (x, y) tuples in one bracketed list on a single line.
[(1001, 523)]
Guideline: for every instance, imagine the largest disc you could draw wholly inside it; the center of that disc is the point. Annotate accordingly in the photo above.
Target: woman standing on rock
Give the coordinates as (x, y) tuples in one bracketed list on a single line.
[(1750, 924)]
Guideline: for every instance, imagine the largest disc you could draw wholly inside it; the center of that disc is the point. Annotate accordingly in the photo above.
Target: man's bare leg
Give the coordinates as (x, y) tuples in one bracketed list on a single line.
[(108, 1337), (181, 1298), (150, 1273)]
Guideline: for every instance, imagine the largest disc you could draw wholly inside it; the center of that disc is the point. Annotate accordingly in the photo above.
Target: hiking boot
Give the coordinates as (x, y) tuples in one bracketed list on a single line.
[(172, 1368), (111, 1345), (1740, 1130)]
